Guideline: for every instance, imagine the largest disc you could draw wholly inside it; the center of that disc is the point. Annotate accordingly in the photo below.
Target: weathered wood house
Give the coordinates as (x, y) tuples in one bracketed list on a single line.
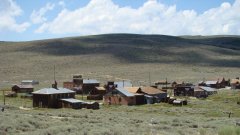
[(140, 100), (50, 97), (218, 83), (153, 94), (184, 91), (119, 96), (200, 93), (22, 88), (81, 85)]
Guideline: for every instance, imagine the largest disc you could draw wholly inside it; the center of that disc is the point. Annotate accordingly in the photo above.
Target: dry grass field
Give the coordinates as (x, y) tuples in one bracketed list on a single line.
[(200, 117), (117, 57)]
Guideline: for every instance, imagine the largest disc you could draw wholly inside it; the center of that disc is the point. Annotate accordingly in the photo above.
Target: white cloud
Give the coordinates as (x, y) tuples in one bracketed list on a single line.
[(62, 4), (153, 17), (8, 11), (38, 16)]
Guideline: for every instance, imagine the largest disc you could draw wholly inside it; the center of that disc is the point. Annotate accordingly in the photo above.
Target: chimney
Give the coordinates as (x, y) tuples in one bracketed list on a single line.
[(55, 85)]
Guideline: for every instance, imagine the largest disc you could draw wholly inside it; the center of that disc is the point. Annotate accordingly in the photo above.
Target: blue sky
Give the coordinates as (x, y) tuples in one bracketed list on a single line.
[(24, 20)]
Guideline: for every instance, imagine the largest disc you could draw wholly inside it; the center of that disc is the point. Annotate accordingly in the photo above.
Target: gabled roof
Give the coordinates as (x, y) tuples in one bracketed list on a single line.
[(123, 84), (211, 82), (124, 92), (133, 90), (24, 86), (208, 89), (151, 90), (48, 91), (90, 81)]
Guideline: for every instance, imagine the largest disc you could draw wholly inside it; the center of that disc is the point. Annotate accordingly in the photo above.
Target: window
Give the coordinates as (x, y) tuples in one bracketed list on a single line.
[(120, 99)]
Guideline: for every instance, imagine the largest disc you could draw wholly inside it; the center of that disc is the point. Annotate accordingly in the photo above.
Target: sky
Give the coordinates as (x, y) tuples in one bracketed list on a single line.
[(25, 20)]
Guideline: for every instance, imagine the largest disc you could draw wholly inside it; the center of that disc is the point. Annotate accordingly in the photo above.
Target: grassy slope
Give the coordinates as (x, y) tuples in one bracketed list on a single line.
[(121, 56)]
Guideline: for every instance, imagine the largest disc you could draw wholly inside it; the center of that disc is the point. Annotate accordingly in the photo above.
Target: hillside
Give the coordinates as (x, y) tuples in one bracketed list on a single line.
[(120, 56)]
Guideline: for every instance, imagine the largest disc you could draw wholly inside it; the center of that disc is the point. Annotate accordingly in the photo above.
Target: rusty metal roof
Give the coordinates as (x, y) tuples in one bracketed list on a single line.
[(133, 90), (151, 90)]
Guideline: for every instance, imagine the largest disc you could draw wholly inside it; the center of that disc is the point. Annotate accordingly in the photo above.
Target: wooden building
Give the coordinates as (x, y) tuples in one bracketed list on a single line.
[(22, 88), (217, 83), (119, 96), (140, 100), (184, 91), (81, 85), (200, 93), (50, 97), (206, 90), (158, 95), (78, 104)]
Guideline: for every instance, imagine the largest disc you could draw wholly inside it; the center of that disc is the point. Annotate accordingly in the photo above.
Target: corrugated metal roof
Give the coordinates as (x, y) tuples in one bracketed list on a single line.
[(89, 81), (53, 91), (24, 86), (125, 92), (211, 82), (123, 84), (72, 100), (208, 89)]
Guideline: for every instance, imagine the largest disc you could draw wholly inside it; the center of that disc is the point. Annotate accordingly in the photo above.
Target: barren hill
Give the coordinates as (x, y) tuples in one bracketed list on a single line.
[(122, 56)]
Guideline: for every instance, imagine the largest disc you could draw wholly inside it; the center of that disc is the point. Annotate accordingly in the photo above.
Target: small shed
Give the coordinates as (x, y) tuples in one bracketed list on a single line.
[(119, 96), (71, 103), (22, 88)]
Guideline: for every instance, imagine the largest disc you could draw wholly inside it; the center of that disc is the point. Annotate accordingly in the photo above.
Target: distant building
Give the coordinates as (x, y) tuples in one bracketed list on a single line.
[(154, 94), (122, 84), (235, 83), (22, 88), (218, 83), (81, 85), (207, 90), (119, 96), (29, 82), (184, 91), (50, 97)]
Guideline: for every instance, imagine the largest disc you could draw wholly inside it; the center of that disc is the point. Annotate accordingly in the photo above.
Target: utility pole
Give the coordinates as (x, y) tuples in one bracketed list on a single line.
[(4, 100), (149, 78)]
